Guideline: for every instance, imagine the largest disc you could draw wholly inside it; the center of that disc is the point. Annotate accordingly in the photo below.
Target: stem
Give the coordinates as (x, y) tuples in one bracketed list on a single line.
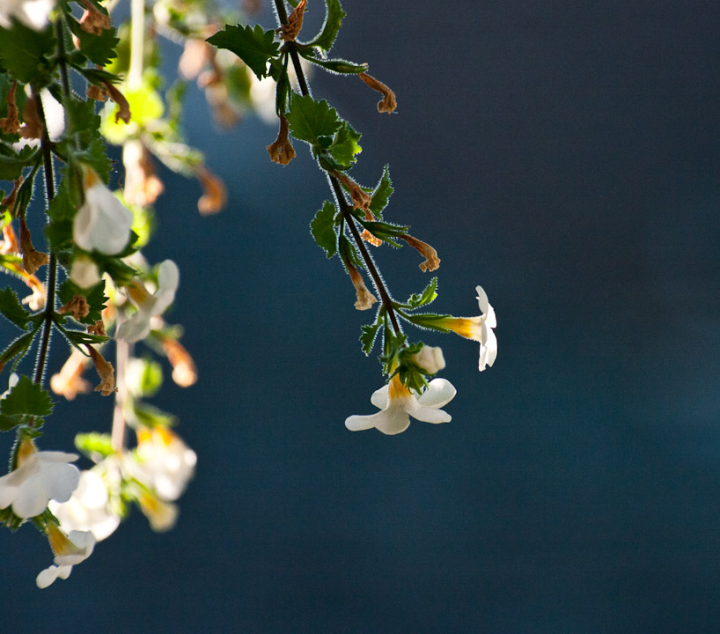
[(342, 201), (137, 42), (122, 353), (52, 265)]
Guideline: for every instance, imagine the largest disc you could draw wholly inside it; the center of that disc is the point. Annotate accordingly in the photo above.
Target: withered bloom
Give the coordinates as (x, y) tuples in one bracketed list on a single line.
[(432, 261), (11, 123), (184, 371), (69, 382), (32, 259), (388, 103), (142, 186), (98, 328), (105, 372), (196, 54), (281, 151), (360, 198), (365, 299), (9, 201), (77, 307), (290, 31), (123, 105), (93, 21), (33, 128), (10, 243), (215, 196)]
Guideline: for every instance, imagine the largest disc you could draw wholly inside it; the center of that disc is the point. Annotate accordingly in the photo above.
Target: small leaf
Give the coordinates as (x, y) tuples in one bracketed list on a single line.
[(12, 309), (78, 338), (345, 146), (312, 121), (331, 26), (428, 320), (368, 336), (94, 444), (24, 52), (99, 49), (322, 228), (27, 399), (255, 47), (382, 193), (426, 297), (339, 66), (17, 349), (95, 297), (152, 416)]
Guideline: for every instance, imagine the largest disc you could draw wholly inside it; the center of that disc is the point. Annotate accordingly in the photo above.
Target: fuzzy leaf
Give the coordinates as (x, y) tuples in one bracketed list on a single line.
[(95, 297), (28, 399), (322, 228), (340, 66), (23, 51), (312, 121), (99, 49), (12, 309), (382, 193), (345, 146), (368, 336), (12, 163), (331, 26), (255, 47), (17, 349), (426, 297)]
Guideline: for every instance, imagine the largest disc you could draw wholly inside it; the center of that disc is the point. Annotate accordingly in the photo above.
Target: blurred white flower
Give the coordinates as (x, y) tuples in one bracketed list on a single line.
[(87, 509), (163, 462), (69, 550), (162, 515), (47, 577), (478, 329), (397, 403), (12, 382), (430, 359), (32, 13), (40, 476), (102, 223), (84, 272), (137, 327)]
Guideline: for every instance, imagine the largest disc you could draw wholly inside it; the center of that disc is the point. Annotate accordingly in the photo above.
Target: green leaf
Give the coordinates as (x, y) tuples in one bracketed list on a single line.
[(331, 27), (152, 416), (59, 233), (368, 336), (24, 52), (345, 146), (94, 444), (426, 297), (348, 251), (322, 228), (12, 309), (339, 66), (255, 47), (95, 297), (27, 399), (312, 121), (12, 163), (431, 321), (78, 338), (382, 193), (17, 349), (99, 49), (386, 231)]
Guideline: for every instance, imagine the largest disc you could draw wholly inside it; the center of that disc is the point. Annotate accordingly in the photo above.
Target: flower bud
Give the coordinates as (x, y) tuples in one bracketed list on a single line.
[(429, 359)]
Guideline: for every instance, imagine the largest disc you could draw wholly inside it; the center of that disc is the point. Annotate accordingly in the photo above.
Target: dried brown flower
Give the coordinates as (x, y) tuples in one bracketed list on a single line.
[(281, 151), (33, 128), (142, 186), (105, 372), (11, 123), (432, 261), (32, 259), (215, 196), (93, 21), (388, 103), (365, 299), (288, 32), (184, 371), (360, 198), (77, 307), (123, 105)]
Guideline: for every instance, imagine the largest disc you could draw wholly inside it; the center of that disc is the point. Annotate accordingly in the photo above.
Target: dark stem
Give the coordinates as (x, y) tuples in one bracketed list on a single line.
[(342, 202), (52, 265)]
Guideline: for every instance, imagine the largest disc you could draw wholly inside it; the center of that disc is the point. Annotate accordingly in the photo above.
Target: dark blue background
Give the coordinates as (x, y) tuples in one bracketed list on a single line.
[(565, 156)]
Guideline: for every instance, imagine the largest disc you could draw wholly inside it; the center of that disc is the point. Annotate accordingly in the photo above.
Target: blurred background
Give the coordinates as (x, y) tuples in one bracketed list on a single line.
[(565, 156)]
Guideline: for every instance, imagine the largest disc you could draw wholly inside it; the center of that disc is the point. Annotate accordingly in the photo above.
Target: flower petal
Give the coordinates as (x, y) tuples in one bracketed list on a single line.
[(380, 398), (393, 420), (60, 480), (134, 329), (31, 498), (47, 577), (431, 415), (439, 392), (361, 423), (488, 351)]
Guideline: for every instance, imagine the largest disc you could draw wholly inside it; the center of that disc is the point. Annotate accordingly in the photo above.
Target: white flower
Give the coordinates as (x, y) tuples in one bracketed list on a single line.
[(102, 223), (430, 359), (47, 577), (398, 403), (149, 306), (41, 476), (84, 272), (69, 551), (478, 329), (87, 509), (162, 515), (32, 13), (12, 382), (163, 462)]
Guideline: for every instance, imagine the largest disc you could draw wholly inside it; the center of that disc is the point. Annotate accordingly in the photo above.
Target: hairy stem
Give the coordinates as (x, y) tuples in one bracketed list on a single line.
[(51, 281), (342, 201)]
